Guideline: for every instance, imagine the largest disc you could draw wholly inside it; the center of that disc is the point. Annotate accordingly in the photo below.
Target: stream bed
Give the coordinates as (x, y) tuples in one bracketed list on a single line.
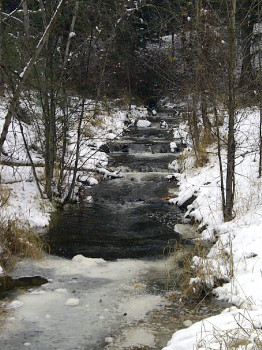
[(110, 277)]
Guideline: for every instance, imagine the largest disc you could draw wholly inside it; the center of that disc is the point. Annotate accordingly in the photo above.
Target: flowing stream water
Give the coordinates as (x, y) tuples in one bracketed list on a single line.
[(108, 272)]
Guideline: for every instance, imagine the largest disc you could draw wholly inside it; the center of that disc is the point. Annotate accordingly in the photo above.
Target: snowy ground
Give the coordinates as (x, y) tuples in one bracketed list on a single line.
[(237, 251), (17, 183)]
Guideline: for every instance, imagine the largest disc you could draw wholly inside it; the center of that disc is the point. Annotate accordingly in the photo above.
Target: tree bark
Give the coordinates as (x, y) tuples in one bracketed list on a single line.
[(260, 94), (1, 48), (228, 212), (26, 21), (78, 143), (31, 161), (221, 172), (246, 81), (64, 103)]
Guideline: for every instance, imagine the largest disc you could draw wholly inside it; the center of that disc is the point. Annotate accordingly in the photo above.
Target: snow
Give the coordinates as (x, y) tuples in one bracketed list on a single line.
[(236, 256), (72, 302), (143, 123), (173, 146), (14, 304)]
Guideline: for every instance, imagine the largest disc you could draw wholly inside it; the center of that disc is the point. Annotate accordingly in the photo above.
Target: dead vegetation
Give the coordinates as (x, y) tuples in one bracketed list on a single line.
[(18, 240), (198, 275)]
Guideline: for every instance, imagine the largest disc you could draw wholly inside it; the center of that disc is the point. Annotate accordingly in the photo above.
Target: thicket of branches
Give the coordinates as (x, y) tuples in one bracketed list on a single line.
[(115, 48)]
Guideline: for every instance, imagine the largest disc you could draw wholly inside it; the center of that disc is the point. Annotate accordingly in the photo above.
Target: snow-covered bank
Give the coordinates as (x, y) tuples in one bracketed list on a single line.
[(236, 254)]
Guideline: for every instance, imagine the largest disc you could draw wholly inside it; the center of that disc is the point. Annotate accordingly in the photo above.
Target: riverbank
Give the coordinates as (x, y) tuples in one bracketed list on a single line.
[(20, 199), (235, 259)]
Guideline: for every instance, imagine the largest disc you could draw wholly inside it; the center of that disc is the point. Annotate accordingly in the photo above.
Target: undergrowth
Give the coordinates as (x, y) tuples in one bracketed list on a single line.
[(203, 274), (17, 240)]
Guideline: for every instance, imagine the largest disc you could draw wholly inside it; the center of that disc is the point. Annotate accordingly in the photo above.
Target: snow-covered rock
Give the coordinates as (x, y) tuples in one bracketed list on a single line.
[(143, 123)]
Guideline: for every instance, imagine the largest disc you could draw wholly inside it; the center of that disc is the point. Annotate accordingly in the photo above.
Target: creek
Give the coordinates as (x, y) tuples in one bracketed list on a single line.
[(109, 267)]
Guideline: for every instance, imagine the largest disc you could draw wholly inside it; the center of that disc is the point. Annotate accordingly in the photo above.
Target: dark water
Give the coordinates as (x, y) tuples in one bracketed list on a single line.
[(130, 217)]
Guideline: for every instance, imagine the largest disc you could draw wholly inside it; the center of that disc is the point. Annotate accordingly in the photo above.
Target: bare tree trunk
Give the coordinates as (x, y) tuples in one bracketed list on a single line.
[(260, 95), (78, 143), (173, 45), (195, 124), (31, 161), (26, 21), (76, 9), (246, 82), (228, 212), (221, 172), (43, 12), (205, 119), (196, 80), (64, 103), (24, 75), (1, 48)]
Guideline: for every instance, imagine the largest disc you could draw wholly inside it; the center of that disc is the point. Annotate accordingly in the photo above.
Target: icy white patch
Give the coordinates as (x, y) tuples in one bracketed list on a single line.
[(82, 261), (109, 340), (138, 337), (89, 199), (92, 181), (163, 124), (14, 304), (72, 35), (106, 291), (143, 123), (173, 146), (61, 290), (72, 302), (137, 308)]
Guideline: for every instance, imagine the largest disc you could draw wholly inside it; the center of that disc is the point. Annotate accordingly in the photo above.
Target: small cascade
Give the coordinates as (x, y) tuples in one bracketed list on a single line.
[(124, 221)]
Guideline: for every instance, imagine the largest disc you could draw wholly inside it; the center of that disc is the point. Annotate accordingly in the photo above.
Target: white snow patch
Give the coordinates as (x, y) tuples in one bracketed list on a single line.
[(143, 123), (14, 304), (72, 302)]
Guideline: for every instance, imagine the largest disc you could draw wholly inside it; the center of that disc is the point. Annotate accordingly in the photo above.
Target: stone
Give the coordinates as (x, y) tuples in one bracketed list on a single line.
[(187, 323)]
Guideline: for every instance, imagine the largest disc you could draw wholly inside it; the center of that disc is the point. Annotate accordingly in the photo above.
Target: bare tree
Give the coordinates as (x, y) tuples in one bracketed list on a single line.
[(230, 173), (25, 74), (1, 47)]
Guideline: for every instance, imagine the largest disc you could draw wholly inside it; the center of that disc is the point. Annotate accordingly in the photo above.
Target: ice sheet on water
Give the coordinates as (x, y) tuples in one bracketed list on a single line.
[(105, 297)]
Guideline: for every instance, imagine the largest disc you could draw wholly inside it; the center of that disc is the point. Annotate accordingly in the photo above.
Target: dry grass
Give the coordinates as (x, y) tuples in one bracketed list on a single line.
[(207, 277), (202, 156), (244, 336), (17, 240), (4, 196)]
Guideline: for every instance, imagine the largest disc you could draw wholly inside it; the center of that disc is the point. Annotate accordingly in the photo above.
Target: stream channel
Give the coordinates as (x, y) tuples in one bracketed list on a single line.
[(109, 274)]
